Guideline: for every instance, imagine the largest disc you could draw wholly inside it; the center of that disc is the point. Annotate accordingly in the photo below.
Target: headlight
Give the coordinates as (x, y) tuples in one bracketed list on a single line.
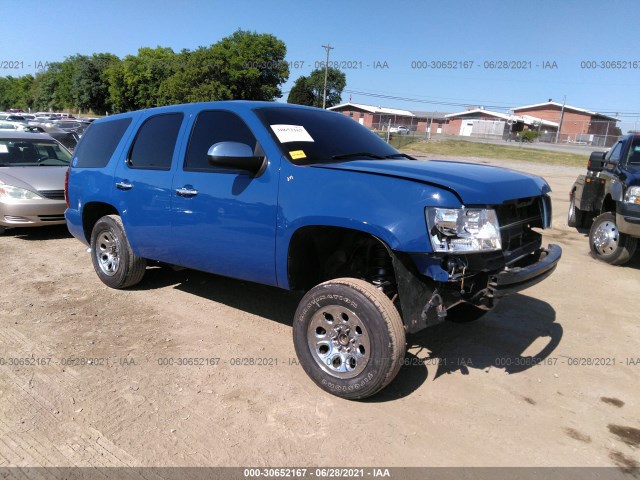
[(17, 193), (632, 195), (463, 230)]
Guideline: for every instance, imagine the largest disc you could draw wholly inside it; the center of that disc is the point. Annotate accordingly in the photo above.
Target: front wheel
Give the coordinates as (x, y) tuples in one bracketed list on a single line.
[(607, 243), (349, 338), (113, 259)]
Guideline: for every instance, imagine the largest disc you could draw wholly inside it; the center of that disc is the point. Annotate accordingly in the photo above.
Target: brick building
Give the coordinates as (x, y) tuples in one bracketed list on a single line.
[(479, 122), (577, 124), (380, 118)]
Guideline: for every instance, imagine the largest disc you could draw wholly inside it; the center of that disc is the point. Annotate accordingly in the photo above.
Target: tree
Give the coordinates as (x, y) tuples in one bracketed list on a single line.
[(90, 87), (134, 83), (251, 65), (15, 92), (336, 81), (301, 93), (196, 80), (309, 90)]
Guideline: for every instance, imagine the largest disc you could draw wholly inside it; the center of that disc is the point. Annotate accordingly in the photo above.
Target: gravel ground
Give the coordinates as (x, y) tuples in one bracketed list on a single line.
[(96, 391)]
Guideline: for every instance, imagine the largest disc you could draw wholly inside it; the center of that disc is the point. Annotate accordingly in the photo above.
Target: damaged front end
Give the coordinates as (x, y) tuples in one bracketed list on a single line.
[(479, 256)]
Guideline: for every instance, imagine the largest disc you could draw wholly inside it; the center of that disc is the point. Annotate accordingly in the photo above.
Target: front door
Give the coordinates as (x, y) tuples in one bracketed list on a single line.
[(224, 220)]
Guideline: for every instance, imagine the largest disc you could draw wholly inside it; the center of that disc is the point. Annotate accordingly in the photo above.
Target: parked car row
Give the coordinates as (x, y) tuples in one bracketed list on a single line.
[(63, 127)]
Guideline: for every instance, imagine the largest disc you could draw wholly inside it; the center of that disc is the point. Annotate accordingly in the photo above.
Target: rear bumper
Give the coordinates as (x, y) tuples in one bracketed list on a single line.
[(514, 279), (74, 224)]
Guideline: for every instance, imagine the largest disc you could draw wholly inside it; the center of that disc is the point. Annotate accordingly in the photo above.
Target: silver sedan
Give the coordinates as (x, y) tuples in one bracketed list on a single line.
[(32, 173)]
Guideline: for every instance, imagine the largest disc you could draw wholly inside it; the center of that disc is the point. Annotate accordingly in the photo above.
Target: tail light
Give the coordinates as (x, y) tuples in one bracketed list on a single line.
[(66, 187)]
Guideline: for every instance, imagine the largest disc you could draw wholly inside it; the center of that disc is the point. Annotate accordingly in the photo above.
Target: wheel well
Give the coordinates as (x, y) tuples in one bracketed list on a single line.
[(319, 253), (92, 212), (608, 205)]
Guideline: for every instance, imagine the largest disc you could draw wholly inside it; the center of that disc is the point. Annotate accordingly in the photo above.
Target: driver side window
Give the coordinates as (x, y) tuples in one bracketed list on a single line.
[(614, 154), (212, 127), (633, 157)]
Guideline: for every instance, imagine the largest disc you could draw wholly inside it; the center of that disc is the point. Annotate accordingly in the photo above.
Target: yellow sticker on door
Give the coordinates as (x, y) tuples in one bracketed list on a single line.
[(297, 154)]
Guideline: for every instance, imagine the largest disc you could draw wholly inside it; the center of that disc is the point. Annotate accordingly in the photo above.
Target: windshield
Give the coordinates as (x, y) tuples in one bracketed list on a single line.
[(21, 152), (317, 136)]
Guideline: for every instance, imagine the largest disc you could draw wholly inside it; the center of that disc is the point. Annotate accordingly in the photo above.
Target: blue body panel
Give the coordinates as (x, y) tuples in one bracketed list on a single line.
[(475, 184), (240, 226)]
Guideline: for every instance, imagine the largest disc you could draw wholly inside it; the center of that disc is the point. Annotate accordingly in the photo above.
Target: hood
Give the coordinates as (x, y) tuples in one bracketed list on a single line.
[(474, 184), (34, 178)]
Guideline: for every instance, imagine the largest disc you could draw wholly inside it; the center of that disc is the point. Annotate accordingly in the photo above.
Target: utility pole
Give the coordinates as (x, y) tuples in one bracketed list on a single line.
[(564, 99), (328, 48), (430, 127)]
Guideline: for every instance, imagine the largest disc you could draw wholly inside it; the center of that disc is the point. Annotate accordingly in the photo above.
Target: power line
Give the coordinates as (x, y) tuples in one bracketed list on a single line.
[(466, 104)]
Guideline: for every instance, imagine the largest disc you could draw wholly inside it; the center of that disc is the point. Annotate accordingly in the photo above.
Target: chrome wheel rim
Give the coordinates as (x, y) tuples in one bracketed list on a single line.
[(108, 253), (339, 342), (605, 238)]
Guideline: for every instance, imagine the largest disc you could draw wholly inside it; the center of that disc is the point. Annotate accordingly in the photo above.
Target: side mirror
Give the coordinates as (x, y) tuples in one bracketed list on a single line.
[(596, 161), (236, 156)]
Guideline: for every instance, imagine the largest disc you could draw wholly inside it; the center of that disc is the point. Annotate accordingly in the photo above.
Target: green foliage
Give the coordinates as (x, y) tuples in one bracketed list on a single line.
[(301, 93), (309, 90), (15, 92), (251, 65), (336, 81), (529, 135), (244, 65), (90, 89)]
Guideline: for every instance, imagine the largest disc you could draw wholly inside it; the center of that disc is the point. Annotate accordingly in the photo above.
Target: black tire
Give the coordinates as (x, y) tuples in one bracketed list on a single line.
[(576, 218), (113, 260), (607, 243), (349, 338)]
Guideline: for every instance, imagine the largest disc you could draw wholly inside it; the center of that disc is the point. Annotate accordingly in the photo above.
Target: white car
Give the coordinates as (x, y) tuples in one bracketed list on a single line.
[(401, 129)]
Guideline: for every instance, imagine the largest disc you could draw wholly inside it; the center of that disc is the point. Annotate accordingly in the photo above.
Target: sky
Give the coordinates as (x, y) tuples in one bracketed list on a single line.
[(396, 54)]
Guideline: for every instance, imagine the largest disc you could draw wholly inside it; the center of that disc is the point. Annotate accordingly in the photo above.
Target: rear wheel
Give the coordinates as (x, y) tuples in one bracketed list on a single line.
[(113, 259), (607, 243), (576, 218), (349, 338)]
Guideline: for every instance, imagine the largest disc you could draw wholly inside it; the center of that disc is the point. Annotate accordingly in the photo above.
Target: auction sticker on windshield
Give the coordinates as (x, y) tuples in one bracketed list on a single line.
[(3, 148), (297, 154), (291, 133)]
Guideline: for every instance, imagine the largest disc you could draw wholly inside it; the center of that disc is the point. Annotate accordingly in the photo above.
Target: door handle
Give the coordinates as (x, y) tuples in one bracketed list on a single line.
[(124, 185), (187, 191)]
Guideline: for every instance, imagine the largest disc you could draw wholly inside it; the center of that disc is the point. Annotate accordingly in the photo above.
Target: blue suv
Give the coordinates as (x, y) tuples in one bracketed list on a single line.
[(305, 199)]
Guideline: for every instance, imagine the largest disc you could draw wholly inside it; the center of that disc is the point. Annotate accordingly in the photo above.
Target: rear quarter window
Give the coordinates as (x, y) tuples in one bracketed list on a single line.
[(99, 142)]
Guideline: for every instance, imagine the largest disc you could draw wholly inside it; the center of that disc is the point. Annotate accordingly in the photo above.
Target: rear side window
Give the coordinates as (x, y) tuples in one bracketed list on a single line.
[(99, 142), (214, 127), (153, 147)]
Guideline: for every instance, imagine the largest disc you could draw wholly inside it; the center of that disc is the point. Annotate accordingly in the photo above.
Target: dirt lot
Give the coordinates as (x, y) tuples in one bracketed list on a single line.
[(477, 399)]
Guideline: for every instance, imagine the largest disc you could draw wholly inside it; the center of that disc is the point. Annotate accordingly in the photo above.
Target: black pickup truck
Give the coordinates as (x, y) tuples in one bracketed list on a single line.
[(607, 201)]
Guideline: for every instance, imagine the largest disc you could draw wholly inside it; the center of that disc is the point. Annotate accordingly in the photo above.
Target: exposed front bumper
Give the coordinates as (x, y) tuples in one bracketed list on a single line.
[(424, 302), (514, 279), (628, 218)]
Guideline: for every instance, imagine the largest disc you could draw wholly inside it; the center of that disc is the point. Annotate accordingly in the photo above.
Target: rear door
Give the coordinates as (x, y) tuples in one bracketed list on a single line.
[(142, 184), (224, 221)]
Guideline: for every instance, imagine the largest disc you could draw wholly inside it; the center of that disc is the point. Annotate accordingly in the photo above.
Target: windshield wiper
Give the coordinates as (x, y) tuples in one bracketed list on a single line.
[(357, 155), (399, 155)]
